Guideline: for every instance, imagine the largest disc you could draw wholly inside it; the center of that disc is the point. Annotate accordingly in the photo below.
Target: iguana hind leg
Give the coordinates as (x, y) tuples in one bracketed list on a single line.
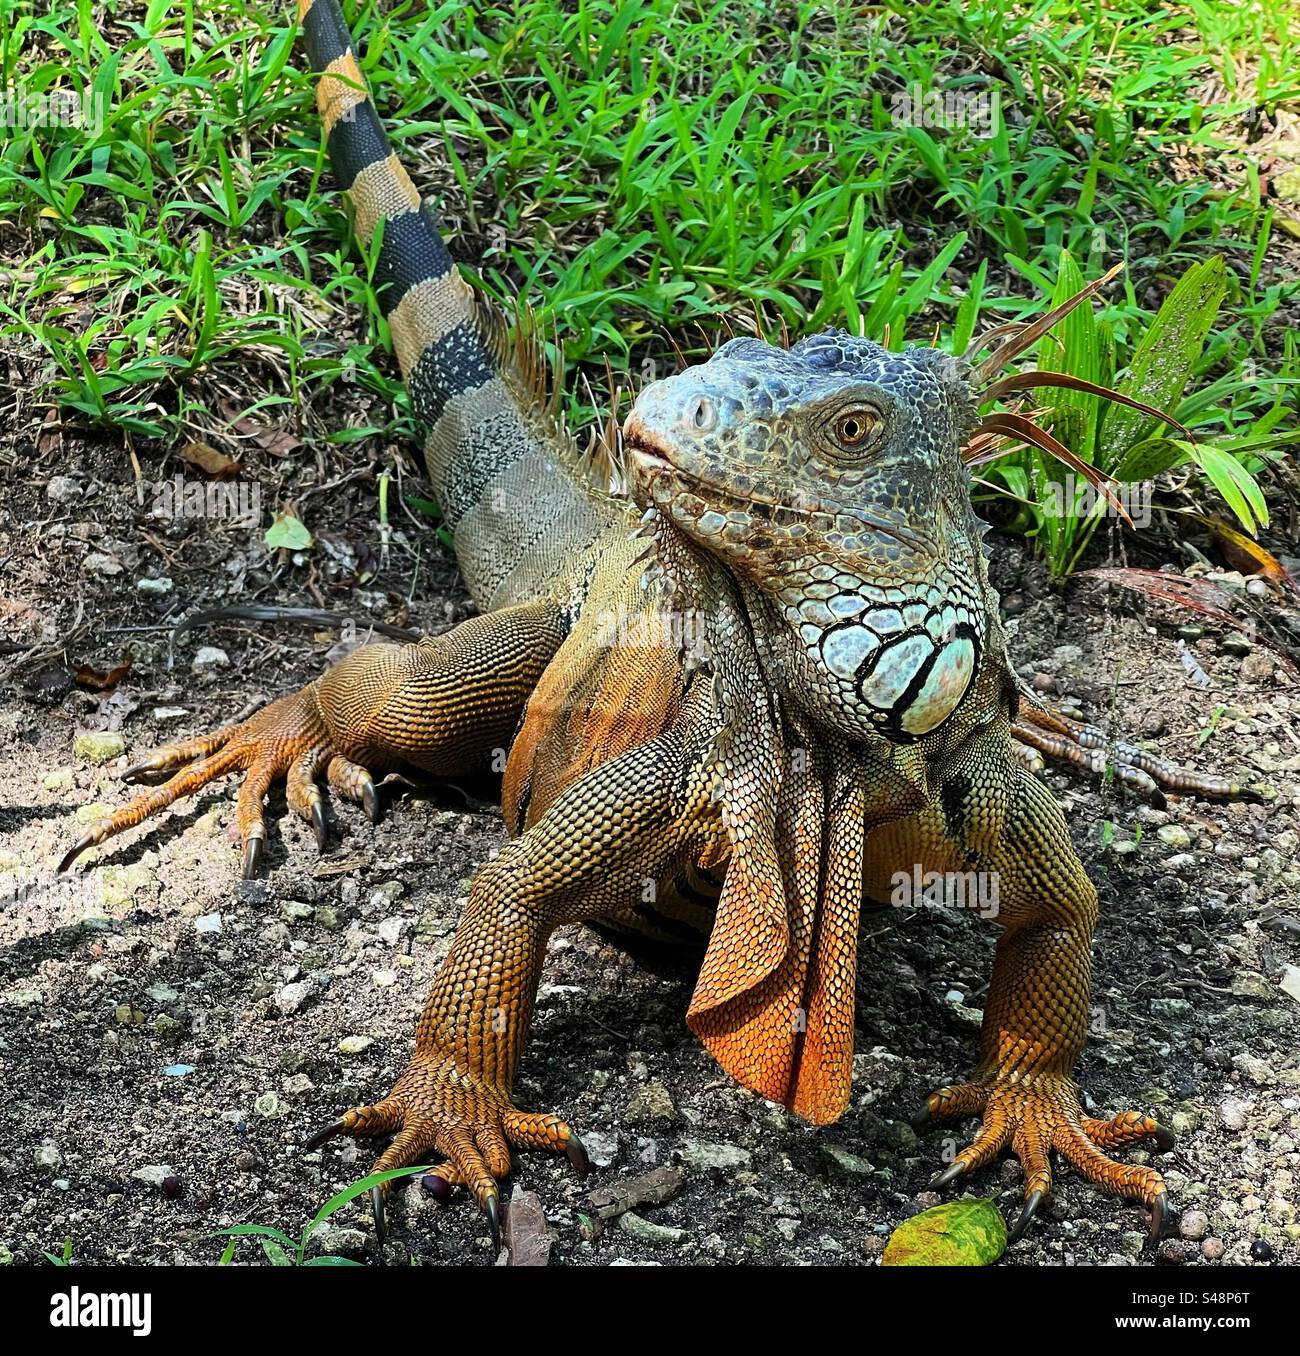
[(440, 705), (631, 821), (1037, 1012), (1039, 729)]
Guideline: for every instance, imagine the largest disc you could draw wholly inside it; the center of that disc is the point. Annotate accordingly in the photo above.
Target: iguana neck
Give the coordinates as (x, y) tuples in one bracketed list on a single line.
[(762, 694)]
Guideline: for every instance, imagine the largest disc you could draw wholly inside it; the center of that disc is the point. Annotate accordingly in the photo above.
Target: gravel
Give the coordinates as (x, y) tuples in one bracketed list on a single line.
[(256, 1013)]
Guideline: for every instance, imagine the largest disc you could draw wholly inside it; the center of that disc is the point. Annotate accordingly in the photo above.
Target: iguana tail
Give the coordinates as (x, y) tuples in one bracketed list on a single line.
[(507, 477)]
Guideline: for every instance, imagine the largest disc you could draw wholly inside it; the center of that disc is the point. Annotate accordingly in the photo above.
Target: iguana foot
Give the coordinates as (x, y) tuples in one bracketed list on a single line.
[(1039, 729), (287, 739), (436, 1108), (1036, 1119)]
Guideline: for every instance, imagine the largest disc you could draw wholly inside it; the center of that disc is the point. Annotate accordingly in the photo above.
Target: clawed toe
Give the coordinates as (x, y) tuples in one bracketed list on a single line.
[(252, 858), (1035, 1121), (1026, 1216), (577, 1156), (1047, 731), (87, 840), (286, 740), (319, 827), (433, 1110), (1159, 1210), (327, 1132)]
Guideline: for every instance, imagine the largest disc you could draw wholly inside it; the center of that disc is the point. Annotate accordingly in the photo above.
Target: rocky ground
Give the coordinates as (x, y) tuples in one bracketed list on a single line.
[(170, 1037)]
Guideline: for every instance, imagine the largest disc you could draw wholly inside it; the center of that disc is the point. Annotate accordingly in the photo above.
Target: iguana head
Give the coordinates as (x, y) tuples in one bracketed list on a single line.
[(828, 478)]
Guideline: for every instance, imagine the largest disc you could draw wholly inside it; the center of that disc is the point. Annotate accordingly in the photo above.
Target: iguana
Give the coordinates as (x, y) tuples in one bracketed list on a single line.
[(748, 667)]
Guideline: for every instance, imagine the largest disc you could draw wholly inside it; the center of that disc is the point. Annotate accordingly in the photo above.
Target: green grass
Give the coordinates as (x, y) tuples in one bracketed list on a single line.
[(646, 174), (282, 1251)]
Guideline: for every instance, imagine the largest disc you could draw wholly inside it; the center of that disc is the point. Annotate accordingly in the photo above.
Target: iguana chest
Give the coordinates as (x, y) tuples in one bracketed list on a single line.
[(615, 683)]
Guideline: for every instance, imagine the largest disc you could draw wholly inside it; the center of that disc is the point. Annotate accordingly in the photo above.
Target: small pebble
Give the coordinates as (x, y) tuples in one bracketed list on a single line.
[(1232, 1114), (208, 658), (63, 489), (98, 746), (1195, 1224)]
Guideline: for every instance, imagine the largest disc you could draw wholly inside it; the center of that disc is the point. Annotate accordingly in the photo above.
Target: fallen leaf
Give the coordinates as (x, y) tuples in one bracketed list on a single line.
[(651, 1188), (528, 1242), (288, 533), (1245, 554), (958, 1234), (1196, 595), (278, 442), (50, 438), (98, 680), (209, 460)]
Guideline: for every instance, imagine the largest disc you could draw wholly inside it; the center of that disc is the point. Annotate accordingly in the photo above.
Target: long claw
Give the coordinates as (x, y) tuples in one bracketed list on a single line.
[(140, 776), (319, 1138), (318, 824), (377, 1209), (494, 1223), (75, 851), (949, 1174), (1164, 1139), (577, 1155), (370, 801), (1025, 1218), (252, 857), (1158, 1212), (922, 1120)]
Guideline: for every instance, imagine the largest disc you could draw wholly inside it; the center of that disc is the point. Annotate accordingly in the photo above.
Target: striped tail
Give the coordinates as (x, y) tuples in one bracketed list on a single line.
[(506, 475)]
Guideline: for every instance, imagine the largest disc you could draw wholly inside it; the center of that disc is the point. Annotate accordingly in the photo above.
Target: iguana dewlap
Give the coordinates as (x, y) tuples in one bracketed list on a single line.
[(738, 700)]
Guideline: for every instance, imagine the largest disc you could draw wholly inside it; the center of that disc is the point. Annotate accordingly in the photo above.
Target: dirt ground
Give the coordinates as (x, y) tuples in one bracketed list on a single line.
[(170, 1036)]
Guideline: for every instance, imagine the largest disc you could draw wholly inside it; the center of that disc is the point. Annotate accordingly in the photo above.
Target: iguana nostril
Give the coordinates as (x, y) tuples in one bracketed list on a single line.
[(701, 415)]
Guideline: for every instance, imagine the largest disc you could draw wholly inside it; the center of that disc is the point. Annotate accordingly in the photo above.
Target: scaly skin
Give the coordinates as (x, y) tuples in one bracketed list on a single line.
[(743, 715)]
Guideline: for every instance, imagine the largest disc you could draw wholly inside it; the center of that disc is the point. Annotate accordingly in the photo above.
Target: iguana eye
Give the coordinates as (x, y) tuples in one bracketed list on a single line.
[(854, 430)]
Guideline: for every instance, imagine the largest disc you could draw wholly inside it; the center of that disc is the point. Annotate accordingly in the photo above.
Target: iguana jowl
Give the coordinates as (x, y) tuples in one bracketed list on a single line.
[(841, 710)]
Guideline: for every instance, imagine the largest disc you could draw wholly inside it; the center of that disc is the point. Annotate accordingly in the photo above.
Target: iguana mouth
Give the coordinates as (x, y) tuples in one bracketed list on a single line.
[(644, 449), (657, 462)]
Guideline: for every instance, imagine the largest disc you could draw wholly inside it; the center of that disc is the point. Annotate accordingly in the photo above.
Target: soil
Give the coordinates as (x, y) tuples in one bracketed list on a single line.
[(171, 1036)]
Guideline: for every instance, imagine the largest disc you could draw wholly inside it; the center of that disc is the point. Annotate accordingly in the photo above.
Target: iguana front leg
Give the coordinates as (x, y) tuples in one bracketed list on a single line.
[(439, 705), (1036, 1016), (631, 821)]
